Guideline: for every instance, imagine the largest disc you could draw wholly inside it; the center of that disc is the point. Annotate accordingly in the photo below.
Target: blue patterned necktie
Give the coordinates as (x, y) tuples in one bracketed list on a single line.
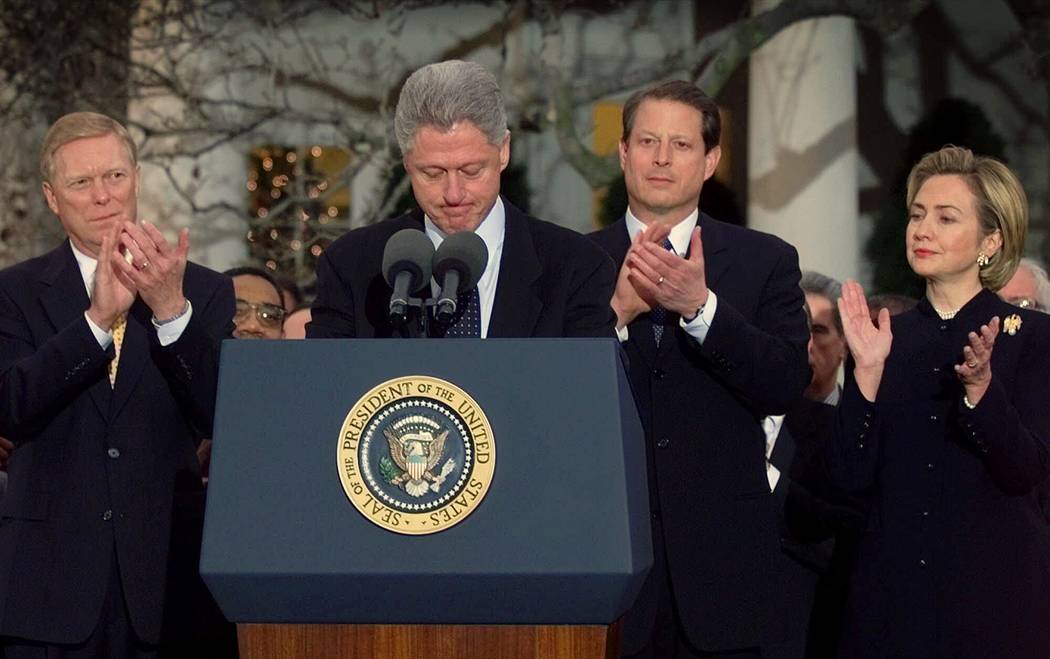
[(658, 315), (466, 324)]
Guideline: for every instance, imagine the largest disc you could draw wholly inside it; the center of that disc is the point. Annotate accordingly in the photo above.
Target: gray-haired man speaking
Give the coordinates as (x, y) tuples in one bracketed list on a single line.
[(539, 280)]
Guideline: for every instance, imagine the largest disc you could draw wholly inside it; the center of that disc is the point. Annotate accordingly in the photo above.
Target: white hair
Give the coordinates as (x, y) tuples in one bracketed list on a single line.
[(446, 93)]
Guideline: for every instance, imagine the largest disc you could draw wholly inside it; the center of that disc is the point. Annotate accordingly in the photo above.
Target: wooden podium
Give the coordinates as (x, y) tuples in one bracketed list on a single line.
[(551, 557), (431, 641)]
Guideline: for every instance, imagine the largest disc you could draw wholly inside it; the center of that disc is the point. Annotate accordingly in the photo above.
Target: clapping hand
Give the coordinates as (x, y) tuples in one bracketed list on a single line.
[(627, 301), (110, 296), (975, 372), (662, 277), (869, 345), (156, 267)]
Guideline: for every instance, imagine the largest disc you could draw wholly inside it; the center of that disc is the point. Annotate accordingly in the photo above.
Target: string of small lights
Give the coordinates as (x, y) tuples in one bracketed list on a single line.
[(299, 202)]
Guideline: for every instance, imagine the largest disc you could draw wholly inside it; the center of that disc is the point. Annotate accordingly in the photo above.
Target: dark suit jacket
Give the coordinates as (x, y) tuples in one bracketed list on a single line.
[(818, 528), (552, 282), (96, 468), (702, 406), (954, 560)]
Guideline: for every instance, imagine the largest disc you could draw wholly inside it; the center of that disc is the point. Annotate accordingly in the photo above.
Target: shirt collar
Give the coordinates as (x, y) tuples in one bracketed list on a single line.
[(833, 398), (87, 267), (680, 235)]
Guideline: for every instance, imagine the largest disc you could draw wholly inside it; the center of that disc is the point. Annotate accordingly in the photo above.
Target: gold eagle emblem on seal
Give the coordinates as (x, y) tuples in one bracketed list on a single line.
[(416, 455)]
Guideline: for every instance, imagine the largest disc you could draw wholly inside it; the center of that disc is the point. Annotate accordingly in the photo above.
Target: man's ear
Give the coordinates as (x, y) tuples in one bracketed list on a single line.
[(49, 195), (504, 152), (711, 159)]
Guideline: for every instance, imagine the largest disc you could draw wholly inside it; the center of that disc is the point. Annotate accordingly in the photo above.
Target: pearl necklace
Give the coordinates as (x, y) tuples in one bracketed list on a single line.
[(946, 315)]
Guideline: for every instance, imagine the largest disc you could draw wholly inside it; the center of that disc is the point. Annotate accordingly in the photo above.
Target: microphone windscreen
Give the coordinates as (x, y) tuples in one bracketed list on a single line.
[(411, 250), (466, 252)]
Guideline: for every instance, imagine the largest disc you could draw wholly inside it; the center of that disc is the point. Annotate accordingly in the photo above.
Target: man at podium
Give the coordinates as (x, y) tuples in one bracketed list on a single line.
[(539, 280)]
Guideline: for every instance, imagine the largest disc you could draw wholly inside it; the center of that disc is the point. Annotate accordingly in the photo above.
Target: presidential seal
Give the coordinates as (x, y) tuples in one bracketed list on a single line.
[(416, 455)]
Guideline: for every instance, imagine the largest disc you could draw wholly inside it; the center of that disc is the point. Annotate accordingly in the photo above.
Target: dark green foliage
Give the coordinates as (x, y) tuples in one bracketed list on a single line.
[(388, 470), (951, 121)]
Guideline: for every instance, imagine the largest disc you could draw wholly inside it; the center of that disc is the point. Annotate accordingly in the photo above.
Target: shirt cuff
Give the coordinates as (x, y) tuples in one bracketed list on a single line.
[(169, 333), (103, 337), (621, 334), (699, 326)]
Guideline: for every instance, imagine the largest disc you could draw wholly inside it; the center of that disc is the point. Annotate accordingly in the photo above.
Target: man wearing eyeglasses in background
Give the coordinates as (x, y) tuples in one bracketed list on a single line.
[(259, 315), (1029, 288), (260, 308)]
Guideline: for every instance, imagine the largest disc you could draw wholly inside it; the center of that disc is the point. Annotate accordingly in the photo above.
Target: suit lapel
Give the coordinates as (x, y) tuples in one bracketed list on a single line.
[(717, 252), (64, 301), (516, 307)]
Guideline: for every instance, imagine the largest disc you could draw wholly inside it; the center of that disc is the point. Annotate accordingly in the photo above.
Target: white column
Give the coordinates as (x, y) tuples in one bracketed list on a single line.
[(802, 146)]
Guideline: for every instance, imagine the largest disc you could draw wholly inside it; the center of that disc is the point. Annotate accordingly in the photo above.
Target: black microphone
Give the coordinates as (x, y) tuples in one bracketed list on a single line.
[(458, 265), (407, 260)]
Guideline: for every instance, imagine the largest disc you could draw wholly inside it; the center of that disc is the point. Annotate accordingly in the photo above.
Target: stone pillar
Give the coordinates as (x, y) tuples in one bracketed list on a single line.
[(802, 147)]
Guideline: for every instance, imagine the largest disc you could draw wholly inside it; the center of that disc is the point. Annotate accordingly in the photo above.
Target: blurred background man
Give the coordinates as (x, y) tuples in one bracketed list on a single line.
[(827, 347), (260, 304), (1029, 288)]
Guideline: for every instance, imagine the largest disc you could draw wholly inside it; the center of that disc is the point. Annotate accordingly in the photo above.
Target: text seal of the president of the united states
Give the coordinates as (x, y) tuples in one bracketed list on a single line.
[(416, 455)]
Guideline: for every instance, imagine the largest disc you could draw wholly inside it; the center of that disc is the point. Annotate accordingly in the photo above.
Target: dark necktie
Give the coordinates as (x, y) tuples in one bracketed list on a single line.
[(658, 315), (466, 324)]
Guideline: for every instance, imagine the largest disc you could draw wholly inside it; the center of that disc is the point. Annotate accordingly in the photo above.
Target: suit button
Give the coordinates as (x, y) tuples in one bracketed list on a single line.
[(113, 453), (658, 374), (936, 369), (933, 417), (655, 515), (925, 513), (663, 443), (929, 466), (108, 515), (943, 326), (922, 562)]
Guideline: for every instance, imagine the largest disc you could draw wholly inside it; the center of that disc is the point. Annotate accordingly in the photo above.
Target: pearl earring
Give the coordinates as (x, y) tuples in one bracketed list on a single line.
[(982, 260)]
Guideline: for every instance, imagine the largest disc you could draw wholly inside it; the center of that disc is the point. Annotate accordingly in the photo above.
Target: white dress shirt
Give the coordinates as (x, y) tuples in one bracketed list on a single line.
[(491, 230), (771, 426)]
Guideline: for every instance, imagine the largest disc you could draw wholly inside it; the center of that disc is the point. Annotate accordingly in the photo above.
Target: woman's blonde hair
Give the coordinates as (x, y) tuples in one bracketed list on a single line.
[(1001, 203)]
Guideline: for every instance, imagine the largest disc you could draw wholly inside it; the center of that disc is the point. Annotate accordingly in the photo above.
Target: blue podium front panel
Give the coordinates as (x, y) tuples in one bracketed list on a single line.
[(561, 535)]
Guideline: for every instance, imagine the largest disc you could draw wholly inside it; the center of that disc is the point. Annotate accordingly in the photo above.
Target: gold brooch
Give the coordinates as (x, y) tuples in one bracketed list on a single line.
[(1012, 324)]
